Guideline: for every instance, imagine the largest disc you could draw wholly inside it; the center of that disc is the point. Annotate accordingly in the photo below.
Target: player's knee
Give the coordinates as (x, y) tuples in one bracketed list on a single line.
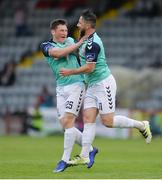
[(68, 121), (89, 115), (87, 118), (107, 121)]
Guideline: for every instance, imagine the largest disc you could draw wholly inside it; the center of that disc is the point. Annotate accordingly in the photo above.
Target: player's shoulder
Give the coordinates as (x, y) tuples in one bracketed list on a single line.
[(45, 46), (92, 42), (70, 40), (97, 38), (94, 38), (47, 42)]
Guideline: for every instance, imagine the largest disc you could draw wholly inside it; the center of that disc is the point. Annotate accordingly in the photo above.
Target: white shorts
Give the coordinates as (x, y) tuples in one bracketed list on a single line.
[(69, 98), (102, 96)]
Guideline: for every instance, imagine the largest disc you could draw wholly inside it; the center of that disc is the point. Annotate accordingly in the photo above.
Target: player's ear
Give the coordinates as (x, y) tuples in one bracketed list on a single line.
[(52, 31), (88, 25)]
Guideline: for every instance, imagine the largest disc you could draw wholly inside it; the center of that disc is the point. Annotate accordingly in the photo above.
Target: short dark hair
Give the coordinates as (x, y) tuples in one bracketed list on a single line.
[(56, 22), (90, 17)]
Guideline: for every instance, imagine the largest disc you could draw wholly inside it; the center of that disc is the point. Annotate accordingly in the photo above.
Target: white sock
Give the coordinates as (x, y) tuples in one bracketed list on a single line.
[(87, 138), (69, 140), (125, 122), (78, 138)]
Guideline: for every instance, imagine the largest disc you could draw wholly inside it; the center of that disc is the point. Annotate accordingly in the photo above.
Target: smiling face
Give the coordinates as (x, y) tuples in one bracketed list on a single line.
[(60, 33)]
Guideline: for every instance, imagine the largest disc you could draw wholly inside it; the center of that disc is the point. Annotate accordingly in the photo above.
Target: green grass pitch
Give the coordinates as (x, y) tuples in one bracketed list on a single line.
[(27, 157)]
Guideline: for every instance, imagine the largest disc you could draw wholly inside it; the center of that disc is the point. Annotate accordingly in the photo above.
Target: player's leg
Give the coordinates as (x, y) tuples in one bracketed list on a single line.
[(89, 132), (66, 120), (69, 103), (119, 121), (87, 155), (71, 135), (78, 138), (75, 93), (93, 150), (89, 115)]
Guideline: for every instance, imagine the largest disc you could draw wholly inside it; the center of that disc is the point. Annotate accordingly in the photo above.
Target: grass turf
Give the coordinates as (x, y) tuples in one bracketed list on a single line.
[(27, 157)]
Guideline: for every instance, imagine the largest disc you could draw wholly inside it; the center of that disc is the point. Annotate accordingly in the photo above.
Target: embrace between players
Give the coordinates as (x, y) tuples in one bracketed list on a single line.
[(91, 83)]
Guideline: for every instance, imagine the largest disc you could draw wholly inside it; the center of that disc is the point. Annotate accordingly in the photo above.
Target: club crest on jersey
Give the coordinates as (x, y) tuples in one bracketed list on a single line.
[(90, 56)]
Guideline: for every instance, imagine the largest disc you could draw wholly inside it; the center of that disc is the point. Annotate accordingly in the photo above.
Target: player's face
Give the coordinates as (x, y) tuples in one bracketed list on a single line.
[(82, 25), (60, 33)]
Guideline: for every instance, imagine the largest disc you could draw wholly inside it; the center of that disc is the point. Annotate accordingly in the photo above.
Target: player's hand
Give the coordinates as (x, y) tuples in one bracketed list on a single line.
[(65, 72), (82, 39)]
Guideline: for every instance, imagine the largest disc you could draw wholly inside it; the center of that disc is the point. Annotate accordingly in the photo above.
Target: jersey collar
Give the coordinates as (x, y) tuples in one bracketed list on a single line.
[(51, 41), (91, 35)]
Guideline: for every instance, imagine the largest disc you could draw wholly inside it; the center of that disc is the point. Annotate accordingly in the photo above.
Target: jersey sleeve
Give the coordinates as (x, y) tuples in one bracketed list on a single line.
[(45, 46), (91, 51)]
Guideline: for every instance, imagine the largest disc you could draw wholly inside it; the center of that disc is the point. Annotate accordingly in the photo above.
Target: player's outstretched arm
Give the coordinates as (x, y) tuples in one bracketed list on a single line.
[(62, 52), (88, 68)]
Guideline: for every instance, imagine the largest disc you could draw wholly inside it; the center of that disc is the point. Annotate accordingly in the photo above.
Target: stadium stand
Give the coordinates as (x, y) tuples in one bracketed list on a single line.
[(128, 39), (132, 42)]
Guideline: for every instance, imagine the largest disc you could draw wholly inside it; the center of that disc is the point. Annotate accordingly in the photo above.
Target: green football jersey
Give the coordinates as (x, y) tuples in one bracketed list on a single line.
[(69, 62), (92, 51)]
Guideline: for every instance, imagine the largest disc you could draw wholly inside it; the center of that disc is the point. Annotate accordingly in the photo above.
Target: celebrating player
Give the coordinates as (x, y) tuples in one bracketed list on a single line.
[(70, 90), (101, 91)]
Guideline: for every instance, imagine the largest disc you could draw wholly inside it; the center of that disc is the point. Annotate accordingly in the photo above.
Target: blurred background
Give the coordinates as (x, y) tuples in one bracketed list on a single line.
[(131, 31)]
